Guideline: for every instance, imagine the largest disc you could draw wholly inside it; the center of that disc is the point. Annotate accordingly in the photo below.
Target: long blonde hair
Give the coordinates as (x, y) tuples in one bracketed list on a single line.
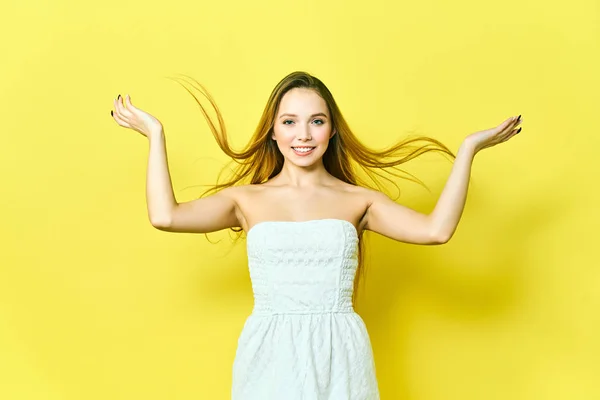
[(261, 160)]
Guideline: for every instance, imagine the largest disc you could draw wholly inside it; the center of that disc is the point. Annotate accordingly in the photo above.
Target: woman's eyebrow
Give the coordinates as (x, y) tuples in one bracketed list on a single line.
[(314, 115)]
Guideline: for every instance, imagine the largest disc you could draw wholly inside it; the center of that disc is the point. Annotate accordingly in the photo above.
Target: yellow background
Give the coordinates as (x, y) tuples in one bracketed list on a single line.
[(96, 304)]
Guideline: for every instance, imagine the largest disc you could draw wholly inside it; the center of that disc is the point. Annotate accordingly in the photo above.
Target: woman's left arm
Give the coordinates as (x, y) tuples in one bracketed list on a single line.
[(449, 208), (401, 223)]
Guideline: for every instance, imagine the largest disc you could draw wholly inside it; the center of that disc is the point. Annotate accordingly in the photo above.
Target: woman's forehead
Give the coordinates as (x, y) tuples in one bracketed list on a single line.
[(302, 100)]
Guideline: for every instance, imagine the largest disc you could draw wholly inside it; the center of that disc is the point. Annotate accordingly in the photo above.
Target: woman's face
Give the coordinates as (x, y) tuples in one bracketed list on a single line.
[(302, 127)]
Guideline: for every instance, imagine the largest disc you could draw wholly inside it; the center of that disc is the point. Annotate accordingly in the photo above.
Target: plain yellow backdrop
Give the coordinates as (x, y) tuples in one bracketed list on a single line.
[(96, 304)]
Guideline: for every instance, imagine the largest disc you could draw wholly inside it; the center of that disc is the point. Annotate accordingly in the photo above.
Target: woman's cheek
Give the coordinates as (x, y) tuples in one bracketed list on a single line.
[(323, 134)]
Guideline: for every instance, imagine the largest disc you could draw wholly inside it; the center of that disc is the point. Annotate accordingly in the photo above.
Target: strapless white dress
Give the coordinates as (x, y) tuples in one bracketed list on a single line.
[(303, 339)]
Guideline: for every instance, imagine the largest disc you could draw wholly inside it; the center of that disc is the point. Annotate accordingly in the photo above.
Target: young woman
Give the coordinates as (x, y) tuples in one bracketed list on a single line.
[(298, 198)]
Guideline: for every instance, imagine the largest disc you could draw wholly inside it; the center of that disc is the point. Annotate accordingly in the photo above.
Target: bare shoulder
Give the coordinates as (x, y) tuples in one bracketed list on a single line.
[(366, 194), (239, 192), (371, 200), (356, 201), (244, 192), (374, 198), (247, 199), (237, 196)]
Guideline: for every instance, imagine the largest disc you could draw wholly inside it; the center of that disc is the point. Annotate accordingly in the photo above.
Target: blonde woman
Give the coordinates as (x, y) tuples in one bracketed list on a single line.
[(304, 209)]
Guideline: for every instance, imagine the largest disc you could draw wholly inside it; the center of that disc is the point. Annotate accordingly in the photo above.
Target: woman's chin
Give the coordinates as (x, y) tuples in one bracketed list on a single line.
[(304, 161)]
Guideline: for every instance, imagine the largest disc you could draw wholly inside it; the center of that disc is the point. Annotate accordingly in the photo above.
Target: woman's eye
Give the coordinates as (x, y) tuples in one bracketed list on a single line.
[(289, 120)]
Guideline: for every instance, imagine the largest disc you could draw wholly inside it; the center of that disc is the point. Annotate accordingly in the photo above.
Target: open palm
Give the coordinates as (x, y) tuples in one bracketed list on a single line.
[(129, 116), (493, 136)]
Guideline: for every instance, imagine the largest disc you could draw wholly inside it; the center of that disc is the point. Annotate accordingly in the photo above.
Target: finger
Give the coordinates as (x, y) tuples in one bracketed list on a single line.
[(128, 104), (118, 113), (513, 133), (119, 118), (509, 124), (123, 112), (503, 127), (503, 135), (519, 122), (117, 109), (121, 121)]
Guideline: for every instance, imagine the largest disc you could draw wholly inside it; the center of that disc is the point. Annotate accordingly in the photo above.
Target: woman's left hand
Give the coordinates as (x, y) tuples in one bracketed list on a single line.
[(491, 137)]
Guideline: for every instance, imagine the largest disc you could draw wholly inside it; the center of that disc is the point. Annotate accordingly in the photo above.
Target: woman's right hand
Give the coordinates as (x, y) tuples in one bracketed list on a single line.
[(132, 117)]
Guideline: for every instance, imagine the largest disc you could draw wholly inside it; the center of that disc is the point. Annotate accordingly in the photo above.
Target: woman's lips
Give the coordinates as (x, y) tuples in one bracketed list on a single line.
[(303, 152)]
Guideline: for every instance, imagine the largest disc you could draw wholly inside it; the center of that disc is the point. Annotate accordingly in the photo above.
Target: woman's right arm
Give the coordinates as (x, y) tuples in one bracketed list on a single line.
[(208, 214)]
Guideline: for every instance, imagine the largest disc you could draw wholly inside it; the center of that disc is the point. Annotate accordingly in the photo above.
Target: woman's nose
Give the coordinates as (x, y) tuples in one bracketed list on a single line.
[(304, 134)]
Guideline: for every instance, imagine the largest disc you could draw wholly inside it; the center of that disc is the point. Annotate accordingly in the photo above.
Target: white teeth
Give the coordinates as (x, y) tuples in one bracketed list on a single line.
[(303, 149)]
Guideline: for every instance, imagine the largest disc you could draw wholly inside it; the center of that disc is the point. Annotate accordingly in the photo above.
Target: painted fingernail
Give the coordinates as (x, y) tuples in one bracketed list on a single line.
[(111, 113), (519, 130), (118, 97), (518, 119)]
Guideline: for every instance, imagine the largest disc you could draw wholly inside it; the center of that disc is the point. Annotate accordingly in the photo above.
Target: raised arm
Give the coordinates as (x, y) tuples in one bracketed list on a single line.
[(401, 223), (208, 214), (203, 215), (404, 224)]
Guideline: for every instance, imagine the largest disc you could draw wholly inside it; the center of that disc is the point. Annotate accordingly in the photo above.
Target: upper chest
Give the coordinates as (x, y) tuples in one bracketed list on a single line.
[(296, 204)]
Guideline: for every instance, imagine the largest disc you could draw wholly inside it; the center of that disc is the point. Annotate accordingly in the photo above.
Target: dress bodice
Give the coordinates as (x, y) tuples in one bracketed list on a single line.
[(302, 266), (303, 339)]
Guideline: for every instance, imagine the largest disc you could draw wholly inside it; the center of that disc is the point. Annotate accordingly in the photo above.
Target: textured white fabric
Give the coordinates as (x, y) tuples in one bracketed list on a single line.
[(303, 339)]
